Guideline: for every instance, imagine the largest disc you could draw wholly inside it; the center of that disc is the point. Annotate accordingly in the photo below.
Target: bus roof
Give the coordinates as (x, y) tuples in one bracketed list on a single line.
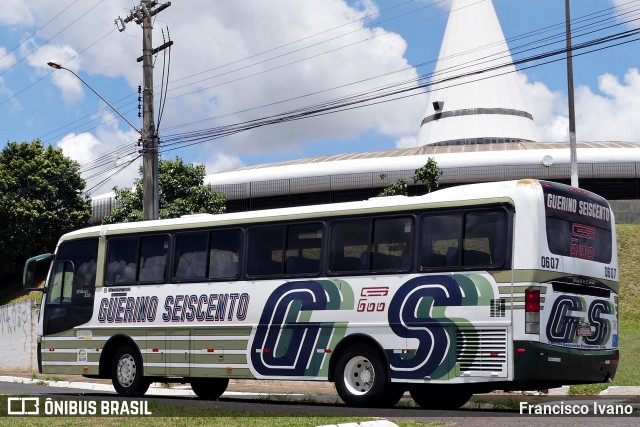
[(501, 191)]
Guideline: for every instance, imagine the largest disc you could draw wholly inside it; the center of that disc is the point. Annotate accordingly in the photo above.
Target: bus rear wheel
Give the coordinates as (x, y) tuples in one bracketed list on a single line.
[(440, 397), (126, 373), (209, 388), (361, 378)]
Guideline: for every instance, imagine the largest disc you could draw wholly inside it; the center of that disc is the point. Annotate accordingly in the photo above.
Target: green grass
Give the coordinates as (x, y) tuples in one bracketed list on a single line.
[(629, 260), (629, 312)]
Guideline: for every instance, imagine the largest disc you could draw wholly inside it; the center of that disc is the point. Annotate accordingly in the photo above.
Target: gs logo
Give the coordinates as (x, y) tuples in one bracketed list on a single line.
[(417, 311), (568, 311)]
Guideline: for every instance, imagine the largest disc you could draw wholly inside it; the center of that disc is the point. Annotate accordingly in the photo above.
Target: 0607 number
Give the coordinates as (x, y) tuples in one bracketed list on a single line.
[(549, 262), (610, 273)]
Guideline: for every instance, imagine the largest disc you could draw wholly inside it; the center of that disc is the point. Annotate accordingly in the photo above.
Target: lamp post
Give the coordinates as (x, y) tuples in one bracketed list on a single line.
[(57, 66), (572, 111), (150, 161)]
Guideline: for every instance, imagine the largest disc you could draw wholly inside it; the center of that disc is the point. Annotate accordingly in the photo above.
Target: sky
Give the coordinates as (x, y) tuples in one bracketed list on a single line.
[(234, 61)]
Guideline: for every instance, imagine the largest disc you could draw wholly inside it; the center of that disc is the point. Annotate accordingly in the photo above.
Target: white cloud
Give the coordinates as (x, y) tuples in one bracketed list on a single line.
[(6, 93), (7, 60), (86, 147), (16, 12), (612, 114), (609, 114), (548, 108), (407, 142), (223, 32), (624, 7), (69, 85), (79, 147), (240, 36), (222, 162)]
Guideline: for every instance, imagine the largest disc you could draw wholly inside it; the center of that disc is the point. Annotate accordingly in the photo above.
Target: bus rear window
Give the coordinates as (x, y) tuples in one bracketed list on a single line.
[(578, 223)]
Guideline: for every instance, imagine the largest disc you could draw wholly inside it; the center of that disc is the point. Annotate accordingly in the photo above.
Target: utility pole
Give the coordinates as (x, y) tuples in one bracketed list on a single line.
[(142, 15), (572, 112)]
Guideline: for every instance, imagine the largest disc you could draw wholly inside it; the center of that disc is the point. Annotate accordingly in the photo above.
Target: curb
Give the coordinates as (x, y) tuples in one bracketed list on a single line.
[(376, 423)]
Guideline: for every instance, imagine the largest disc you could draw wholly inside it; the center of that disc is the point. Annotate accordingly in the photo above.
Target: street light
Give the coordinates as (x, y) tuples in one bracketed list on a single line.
[(572, 112), (57, 66)]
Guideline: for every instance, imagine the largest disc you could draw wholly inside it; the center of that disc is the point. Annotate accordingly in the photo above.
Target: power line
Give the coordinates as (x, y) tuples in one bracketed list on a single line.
[(47, 74), (32, 35), (192, 138), (355, 97), (82, 15), (173, 141), (457, 69), (530, 34), (197, 137), (282, 46), (303, 39)]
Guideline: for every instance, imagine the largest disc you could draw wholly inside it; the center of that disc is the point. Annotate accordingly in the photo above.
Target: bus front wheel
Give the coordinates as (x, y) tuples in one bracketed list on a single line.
[(209, 388), (126, 373), (360, 376)]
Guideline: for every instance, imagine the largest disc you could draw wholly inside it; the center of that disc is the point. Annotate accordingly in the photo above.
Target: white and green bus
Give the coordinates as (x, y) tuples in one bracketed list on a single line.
[(506, 285)]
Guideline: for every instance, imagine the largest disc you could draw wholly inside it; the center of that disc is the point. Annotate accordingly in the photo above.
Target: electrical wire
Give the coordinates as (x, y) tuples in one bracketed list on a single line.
[(535, 32), (82, 15), (197, 137), (179, 140), (32, 35)]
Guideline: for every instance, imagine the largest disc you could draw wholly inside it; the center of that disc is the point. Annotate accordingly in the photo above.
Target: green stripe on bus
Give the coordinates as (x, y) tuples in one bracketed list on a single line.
[(59, 357), (221, 372), (215, 358)]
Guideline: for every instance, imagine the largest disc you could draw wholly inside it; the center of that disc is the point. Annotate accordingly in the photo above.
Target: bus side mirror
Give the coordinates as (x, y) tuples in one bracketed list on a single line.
[(35, 271)]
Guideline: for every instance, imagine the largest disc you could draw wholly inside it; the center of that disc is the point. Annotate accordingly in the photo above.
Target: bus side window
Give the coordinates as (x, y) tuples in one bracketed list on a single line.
[(122, 256), (304, 243), (153, 258), (349, 245), (191, 252), (265, 250), (392, 246), (440, 241), (224, 255), (485, 238)]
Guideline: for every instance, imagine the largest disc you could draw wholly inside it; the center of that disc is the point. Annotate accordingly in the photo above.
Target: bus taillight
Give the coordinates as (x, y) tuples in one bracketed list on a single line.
[(532, 311)]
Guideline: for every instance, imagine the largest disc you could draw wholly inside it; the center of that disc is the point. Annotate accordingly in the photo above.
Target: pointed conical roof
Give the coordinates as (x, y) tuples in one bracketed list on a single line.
[(491, 108)]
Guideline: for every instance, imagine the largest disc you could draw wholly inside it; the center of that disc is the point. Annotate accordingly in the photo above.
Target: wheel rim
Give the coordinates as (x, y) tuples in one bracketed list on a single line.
[(359, 375), (126, 370)]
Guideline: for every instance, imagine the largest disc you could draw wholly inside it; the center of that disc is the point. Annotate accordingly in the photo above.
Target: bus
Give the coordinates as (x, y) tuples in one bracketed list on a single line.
[(493, 286)]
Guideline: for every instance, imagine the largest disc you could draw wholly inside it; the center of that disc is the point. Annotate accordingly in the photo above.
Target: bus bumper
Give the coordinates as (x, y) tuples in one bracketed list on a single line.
[(547, 364)]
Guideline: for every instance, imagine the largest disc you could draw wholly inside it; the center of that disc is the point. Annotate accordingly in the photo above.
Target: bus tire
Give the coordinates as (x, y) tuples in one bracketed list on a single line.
[(393, 394), (127, 374), (361, 377), (209, 388), (440, 397)]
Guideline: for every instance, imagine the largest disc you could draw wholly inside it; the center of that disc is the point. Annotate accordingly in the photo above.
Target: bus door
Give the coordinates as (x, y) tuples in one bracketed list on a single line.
[(70, 291)]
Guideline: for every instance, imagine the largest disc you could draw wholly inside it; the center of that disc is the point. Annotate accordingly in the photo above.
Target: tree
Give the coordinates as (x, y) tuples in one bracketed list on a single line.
[(429, 174), (180, 191), (397, 188), (40, 199)]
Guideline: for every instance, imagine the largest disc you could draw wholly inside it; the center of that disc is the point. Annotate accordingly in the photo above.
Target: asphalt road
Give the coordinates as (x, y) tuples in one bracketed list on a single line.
[(487, 416)]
